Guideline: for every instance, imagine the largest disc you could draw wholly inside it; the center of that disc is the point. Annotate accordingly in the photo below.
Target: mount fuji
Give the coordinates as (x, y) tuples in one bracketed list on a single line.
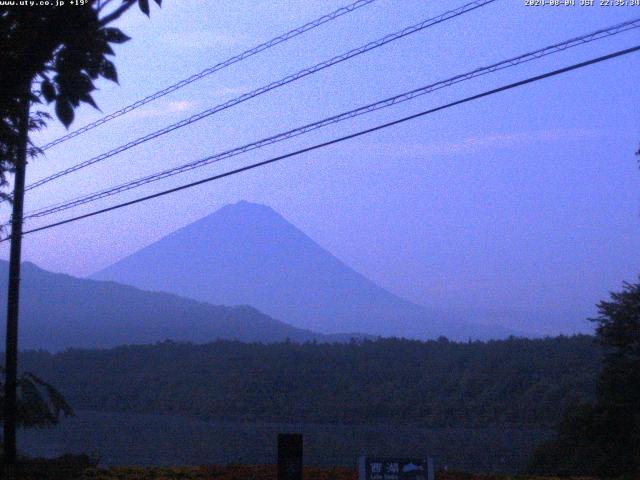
[(248, 254)]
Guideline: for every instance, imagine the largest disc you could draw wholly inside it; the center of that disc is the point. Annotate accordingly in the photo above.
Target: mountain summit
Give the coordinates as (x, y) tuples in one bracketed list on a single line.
[(246, 253)]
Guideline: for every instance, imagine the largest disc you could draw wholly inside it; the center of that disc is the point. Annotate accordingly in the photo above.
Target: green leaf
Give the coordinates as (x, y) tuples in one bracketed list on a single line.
[(93, 64), (64, 111), (107, 49), (89, 99), (115, 35), (144, 6), (108, 70), (48, 91)]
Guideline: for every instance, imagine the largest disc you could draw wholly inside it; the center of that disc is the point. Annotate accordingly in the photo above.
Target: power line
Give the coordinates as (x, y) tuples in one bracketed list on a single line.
[(279, 83), (338, 140), (558, 47), (208, 71)]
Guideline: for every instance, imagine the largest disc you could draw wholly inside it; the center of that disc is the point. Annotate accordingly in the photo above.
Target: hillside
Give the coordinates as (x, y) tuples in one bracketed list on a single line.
[(436, 383), (249, 254), (59, 311)]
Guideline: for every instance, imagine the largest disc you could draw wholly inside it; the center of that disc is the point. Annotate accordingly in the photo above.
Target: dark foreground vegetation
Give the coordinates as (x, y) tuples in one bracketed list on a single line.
[(436, 383), (602, 438), (74, 468)]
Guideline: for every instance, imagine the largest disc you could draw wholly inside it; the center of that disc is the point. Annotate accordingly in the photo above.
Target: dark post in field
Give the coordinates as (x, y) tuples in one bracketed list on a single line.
[(13, 296), (289, 456)]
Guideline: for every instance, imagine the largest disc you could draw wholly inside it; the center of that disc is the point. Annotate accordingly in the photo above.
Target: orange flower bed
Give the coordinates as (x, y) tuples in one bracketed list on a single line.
[(232, 472), (257, 472)]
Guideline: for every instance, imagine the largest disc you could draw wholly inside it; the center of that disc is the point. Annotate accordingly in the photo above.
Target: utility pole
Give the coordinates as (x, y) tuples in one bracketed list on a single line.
[(13, 297)]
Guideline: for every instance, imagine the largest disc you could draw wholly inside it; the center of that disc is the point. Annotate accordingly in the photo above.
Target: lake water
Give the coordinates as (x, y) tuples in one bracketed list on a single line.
[(134, 439)]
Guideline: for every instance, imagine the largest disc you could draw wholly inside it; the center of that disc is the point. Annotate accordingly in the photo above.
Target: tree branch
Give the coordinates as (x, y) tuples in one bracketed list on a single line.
[(117, 13)]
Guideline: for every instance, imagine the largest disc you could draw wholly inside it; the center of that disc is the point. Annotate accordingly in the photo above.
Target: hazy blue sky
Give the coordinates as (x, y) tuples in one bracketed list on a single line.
[(525, 201)]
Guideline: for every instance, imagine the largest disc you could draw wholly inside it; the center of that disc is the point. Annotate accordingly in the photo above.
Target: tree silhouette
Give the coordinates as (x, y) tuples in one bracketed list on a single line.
[(49, 54), (54, 54), (39, 403), (603, 438)]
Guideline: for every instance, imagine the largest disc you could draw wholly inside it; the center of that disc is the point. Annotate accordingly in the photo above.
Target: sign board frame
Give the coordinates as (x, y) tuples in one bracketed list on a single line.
[(395, 468)]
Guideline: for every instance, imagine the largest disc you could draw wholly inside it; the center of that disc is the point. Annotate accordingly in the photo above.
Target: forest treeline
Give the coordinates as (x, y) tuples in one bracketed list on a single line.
[(434, 383)]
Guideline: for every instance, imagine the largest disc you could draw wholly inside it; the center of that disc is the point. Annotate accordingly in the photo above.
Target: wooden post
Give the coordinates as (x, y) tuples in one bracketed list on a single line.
[(289, 456), (13, 297)]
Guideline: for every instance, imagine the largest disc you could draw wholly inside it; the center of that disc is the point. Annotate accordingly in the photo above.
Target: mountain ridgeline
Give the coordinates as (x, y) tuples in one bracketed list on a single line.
[(247, 254), (59, 311)]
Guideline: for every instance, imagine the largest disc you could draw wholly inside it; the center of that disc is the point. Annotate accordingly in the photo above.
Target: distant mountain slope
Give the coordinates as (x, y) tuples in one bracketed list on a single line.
[(59, 311), (248, 254)]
